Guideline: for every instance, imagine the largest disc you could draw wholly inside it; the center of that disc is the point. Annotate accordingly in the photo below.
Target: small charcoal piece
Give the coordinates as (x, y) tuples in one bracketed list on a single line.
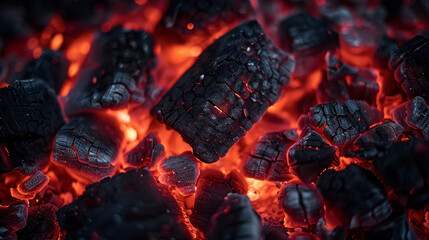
[(212, 187), (384, 50), (364, 86), (130, 205), (336, 69), (180, 171), (268, 160), (310, 156), (302, 204), (329, 91), (236, 219), (411, 67), (187, 16), (405, 167), (41, 223), (14, 216), (146, 153), (226, 91), (308, 39), (343, 122), (375, 140), (414, 116), (51, 67), (124, 59), (337, 233), (30, 116), (395, 227), (30, 187), (88, 146), (353, 197)]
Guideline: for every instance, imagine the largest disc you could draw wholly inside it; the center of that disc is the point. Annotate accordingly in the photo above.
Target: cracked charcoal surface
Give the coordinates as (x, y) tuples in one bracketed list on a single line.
[(405, 167), (124, 59), (268, 160), (51, 67), (344, 122), (310, 156), (376, 140), (30, 116), (146, 153), (353, 197), (414, 116), (236, 219), (41, 223), (212, 187), (180, 171), (130, 205), (302, 204), (226, 91), (34, 184), (88, 146), (410, 65)]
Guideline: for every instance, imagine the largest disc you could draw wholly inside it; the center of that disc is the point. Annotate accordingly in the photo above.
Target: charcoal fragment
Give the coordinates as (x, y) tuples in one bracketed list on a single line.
[(385, 49), (146, 153), (338, 233), (88, 146), (226, 91), (236, 219), (337, 69), (375, 140), (310, 156), (34, 184), (30, 116), (180, 171), (212, 187), (124, 59), (411, 67), (268, 160), (130, 205), (414, 116), (395, 227), (353, 197), (41, 223), (302, 204), (14, 216)]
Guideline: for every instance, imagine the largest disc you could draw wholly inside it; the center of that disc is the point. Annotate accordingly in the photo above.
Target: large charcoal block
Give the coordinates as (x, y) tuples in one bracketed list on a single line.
[(410, 64), (130, 205), (226, 91), (414, 116), (115, 73), (88, 146), (353, 197), (236, 219), (268, 160), (30, 116)]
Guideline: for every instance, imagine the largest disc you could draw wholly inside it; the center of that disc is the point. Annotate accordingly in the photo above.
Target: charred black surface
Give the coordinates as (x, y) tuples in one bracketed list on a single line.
[(268, 160), (410, 64), (414, 116), (14, 216), (146, 153), (124, 59), (180, 171), (128, 206), (310, 156), (375, 140), (226, 91), (236, 219), (41, 223), (302, 204), (30, 116), (51, 67), (336, 69), (88, 146), (212, 187), (385, 49), (337, 233), (344, 122), (353, 197)]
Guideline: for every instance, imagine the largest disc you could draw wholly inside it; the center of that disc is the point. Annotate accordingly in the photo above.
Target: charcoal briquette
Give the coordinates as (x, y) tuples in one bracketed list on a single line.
[(34, 184), (146, 153), (414, 116)]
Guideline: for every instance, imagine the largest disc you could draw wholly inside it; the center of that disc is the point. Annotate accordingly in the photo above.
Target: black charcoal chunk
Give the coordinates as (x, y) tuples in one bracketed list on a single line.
[(302, 204), (414, 116), (181, 171), (146, 153), (336, 69), (116, 73), (384, 50), (30, 116), (268, 160), (88, 146), (41, 224), (236, 219), (395, 227), (353, 197), (226, 91), (51, 67), (344, 122), (14, 216), (338, 233), (375, 140), (410, 65), (130, 205), (310, 156), (34, 184), (212, 187)]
